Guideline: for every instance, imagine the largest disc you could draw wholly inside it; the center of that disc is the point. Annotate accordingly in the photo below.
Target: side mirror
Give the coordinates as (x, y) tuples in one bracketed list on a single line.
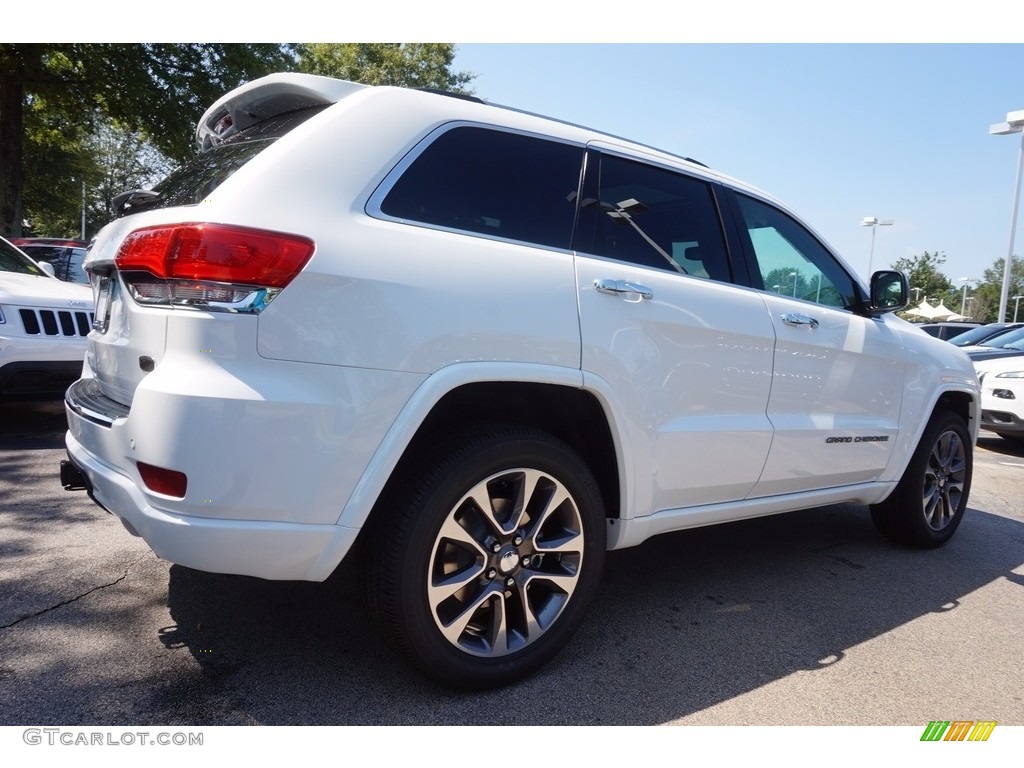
[(47, 267), (890, 292)]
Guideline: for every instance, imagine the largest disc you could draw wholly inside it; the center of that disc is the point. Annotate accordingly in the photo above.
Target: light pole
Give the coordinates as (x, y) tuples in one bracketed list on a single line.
[(874, 222), (963, 302), (916, 295), (793, 275), (1016, 304), (778, 288), (1014, 124)]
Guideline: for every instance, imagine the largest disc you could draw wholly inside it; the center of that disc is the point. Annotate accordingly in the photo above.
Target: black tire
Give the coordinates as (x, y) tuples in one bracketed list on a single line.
[(928, 503), (478, 598)]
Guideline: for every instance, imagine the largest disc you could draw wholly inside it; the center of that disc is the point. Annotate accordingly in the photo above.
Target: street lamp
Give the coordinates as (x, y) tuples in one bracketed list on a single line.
[(778, 288), (874, 222), (963, 303), (1016, 303), (1014, 124), (916, 295), (793, 275)]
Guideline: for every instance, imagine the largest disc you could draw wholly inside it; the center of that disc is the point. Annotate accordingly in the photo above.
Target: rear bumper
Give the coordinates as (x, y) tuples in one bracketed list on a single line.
[(270, 460), (268, 550)]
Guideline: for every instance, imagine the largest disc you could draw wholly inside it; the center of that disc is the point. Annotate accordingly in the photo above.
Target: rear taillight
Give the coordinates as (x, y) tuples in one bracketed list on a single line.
[(210, 266)]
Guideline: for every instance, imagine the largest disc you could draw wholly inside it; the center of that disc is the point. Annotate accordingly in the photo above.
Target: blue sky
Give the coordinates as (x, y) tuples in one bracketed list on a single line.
[(885, 119), (836, 131)]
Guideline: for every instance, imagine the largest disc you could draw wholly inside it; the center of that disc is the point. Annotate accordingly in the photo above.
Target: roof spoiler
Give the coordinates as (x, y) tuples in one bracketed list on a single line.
[(265, 98)]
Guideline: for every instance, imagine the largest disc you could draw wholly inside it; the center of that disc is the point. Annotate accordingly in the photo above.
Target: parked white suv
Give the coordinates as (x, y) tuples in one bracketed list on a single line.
[(485, 346), (1002, 395), (43, 328)]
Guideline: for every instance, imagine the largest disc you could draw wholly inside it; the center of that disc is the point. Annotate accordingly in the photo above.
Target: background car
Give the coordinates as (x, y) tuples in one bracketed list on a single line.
[(1007, 344), (946, 331), (983, 333), (43, 325), (1002, 395), (66, 256)]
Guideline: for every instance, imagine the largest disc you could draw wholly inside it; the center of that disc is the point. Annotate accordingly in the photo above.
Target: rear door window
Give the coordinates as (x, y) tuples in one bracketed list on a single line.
[(653, 217)]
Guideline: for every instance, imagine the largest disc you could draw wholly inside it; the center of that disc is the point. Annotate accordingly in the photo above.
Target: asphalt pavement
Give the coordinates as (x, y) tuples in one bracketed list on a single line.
[(809, 618)]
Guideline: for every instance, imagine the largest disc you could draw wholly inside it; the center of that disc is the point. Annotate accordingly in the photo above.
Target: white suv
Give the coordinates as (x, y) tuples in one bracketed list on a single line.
[(1002, 395), (43, 328), (485, 346)]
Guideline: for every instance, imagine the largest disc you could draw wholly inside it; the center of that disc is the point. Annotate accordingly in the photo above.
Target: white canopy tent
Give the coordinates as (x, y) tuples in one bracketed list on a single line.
[(927, 311)]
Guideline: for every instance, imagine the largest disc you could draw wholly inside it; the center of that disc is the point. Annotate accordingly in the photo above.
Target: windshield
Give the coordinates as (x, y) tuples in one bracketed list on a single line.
[(1004, 339), (977, 335), (13, 260)]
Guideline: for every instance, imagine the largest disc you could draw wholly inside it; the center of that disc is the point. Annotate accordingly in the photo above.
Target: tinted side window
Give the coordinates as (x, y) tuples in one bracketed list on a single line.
[(791, 261), (655, 218), (493, 182)]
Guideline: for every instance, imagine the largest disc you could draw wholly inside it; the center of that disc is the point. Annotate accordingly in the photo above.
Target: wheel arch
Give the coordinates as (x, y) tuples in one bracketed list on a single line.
[(963, 403), (553, 401)]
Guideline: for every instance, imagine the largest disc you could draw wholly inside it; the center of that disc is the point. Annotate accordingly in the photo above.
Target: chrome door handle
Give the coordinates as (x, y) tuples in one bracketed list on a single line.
[(620, 287), (796, 319)]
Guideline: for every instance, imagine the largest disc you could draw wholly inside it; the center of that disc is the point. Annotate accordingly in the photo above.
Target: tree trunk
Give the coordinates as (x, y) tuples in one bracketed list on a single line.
[(12, 119)]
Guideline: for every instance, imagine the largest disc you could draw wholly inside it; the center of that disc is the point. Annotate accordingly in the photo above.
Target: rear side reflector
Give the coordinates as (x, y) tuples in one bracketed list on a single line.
[(215, 253), (165, 481)]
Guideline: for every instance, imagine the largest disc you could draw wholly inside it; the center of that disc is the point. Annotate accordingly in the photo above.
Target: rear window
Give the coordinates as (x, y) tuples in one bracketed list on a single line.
[(194, 181)]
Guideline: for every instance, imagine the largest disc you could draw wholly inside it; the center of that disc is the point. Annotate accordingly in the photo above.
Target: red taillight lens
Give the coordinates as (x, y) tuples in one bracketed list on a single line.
[(169, 482), (216, 253)]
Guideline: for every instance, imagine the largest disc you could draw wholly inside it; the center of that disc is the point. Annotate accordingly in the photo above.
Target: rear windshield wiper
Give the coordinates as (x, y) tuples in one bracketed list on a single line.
[(133, 198)]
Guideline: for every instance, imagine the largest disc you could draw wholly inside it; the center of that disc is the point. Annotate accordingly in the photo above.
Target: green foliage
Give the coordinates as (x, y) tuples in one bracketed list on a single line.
[(985, 304), (57, 163), (116, 114), (53, 95), (800, 286), (923, 273), (412, 65)]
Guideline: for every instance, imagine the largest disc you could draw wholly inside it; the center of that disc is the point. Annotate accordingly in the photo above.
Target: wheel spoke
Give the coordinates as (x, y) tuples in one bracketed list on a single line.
[(528, 489), (565, 582), (557, 498), (567, 544), (454, 532), (451, 584), (456, 627)]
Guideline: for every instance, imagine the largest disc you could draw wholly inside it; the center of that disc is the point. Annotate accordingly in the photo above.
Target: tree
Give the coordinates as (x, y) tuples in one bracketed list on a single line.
[(57, 164), (412, 65), (923, 272), (160, 89), (985, 307)]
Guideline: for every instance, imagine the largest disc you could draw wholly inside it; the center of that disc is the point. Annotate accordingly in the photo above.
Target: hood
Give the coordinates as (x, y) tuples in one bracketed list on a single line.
[(1000, 364), (980, 354), (43, 291)]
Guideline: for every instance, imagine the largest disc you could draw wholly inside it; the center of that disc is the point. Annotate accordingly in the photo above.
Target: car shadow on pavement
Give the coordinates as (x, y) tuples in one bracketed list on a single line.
[(681, 623), (1001, 445)]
